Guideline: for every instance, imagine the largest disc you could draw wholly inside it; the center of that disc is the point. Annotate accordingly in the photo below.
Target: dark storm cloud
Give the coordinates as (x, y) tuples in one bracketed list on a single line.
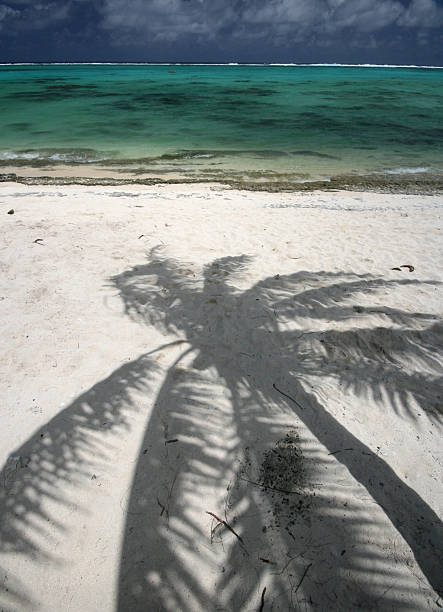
[(292, 19), (259, 26), (32, 15), (6, 13)]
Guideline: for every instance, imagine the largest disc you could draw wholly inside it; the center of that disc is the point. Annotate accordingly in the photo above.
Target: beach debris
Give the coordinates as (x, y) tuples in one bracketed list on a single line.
[(161, 506), (287, 564), (284, 481), (408, 266), (19, 460), (13, 464), (226, 525), (171, 441), (268, 488), (267, 561), (165, 507), (38, 241), (141, 236), (288, 396), (168, 500), (303, 577), (262, 600), (11, 212)]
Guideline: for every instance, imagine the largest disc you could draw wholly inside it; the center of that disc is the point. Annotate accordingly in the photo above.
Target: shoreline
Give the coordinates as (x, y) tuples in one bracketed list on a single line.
[(407, 184)]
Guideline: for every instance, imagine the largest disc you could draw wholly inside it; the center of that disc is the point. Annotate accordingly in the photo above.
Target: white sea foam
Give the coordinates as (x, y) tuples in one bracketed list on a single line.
[(289, 64), (54, 157), (408, 171), (7, 155), (336, 65), (326, 179)]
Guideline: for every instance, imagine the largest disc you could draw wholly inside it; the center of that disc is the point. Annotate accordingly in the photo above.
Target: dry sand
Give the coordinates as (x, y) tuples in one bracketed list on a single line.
[(169, 352)]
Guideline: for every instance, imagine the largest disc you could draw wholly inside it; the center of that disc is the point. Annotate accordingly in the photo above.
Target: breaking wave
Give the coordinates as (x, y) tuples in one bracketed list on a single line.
[(58, 156)]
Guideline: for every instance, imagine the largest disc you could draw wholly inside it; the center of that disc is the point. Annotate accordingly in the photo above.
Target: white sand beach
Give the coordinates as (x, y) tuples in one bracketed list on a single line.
[(207, 393)]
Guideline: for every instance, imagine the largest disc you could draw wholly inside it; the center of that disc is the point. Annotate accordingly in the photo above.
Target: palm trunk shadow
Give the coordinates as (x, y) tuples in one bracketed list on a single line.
[(413, 518), (165, 537), (172, 559)]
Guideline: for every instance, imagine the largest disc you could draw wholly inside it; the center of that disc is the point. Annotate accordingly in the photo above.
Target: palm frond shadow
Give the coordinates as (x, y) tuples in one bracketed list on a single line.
[(226, 419), (220, 431), (12, 592), (42, 478)]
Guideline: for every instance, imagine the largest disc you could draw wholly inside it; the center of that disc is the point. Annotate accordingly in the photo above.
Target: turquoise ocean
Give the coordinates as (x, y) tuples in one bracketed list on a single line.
[(252, 125)]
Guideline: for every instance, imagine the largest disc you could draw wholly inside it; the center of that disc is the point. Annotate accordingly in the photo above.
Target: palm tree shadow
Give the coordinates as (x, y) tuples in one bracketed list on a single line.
[(222, 438), (219, 426)]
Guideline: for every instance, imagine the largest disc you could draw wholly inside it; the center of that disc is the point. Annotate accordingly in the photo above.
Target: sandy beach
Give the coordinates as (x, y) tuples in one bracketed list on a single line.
[(219, 400)]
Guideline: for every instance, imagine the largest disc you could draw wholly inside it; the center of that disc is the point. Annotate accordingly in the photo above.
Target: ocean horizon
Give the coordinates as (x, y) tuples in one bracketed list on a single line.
[(279, 125), (320, 64)]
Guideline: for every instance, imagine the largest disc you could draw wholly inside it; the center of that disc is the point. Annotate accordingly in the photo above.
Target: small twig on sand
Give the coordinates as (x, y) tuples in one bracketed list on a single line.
[(172, 486), (226, 525), (262, 603), (171, 441), (288, 396), (263, 486), (165, 508), (213, 531), (161, 506), (290, 560), (302, 578)]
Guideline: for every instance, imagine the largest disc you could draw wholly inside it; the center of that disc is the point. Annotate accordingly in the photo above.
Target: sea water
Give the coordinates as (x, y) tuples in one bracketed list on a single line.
[(287, 125)]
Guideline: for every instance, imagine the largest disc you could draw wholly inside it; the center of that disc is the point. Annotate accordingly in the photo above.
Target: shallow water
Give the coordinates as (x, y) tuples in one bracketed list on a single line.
[(286, 124)]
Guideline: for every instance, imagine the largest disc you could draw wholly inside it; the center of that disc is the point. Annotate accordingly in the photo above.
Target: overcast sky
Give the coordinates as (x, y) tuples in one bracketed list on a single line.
[(349, 31)]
